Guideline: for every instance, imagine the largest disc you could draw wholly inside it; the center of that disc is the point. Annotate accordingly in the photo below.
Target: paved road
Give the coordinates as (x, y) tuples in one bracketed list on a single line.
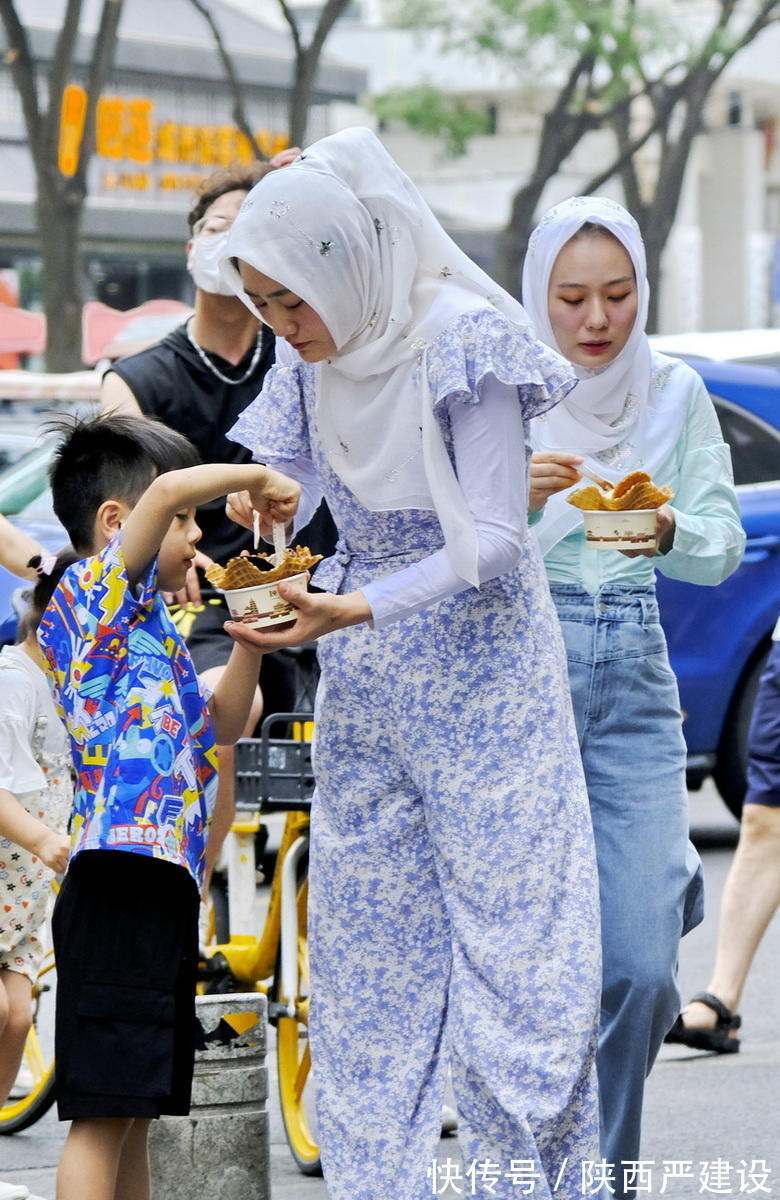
[(700, 1109)]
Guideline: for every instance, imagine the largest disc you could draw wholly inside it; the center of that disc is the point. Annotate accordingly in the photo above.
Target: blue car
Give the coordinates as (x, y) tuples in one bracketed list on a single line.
[(719, 637)]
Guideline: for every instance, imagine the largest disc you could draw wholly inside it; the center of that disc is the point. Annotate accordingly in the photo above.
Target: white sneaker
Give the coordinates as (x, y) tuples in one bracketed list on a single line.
[(23, 1084), (14, 1191), (449, 1121)]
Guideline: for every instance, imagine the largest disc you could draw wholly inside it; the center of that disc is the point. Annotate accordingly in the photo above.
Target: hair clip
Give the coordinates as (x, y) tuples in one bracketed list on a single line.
[(46, 565)]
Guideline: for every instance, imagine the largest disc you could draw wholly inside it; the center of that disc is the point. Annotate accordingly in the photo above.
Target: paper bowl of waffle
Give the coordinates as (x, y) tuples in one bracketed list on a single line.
[(622, 518), (249, 585)]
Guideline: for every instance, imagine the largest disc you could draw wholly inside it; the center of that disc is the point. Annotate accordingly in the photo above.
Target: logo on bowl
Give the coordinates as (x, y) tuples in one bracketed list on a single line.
[(260, 606), (627, 530)]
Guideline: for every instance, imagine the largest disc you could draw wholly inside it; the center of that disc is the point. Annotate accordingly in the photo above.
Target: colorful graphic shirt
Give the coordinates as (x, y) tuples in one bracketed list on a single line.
[(140, 731)]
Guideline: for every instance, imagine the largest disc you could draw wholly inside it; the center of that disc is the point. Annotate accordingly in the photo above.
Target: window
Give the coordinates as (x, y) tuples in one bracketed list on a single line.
[(755, 446)]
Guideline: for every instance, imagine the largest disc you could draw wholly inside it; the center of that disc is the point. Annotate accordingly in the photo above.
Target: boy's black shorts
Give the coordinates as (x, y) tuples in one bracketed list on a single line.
[(126, 946)]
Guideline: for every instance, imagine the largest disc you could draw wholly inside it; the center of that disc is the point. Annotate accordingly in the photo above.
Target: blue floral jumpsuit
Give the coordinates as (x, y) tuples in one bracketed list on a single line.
[(453, 907)]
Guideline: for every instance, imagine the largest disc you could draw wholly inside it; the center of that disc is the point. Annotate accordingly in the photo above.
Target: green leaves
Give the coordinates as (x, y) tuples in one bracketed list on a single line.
[(437, 114)]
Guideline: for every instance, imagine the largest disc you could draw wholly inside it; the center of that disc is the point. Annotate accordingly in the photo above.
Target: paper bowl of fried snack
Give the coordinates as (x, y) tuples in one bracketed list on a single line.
[(250, 582), (629, 530), (623, 518)]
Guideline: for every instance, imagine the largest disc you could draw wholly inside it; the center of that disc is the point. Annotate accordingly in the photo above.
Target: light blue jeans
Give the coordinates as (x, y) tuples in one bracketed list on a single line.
[(629, 724)]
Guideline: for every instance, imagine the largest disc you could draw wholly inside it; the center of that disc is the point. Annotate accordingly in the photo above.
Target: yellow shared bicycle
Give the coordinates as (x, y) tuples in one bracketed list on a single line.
[(273, 775)]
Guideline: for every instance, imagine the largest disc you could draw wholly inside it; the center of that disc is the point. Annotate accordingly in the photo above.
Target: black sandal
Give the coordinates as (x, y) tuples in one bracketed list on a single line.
[(716, 1040)]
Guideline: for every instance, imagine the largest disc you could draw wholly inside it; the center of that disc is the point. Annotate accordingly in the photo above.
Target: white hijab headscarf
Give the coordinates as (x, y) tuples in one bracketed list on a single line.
[(611, 415), (346, 230)]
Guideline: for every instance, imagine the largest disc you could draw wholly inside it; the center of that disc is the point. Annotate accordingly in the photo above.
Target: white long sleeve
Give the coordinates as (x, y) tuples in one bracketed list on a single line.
[(489, 446), (303, 471)]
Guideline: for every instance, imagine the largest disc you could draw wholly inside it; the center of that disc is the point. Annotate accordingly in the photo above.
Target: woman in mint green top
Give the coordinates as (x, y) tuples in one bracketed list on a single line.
[(585, 289)]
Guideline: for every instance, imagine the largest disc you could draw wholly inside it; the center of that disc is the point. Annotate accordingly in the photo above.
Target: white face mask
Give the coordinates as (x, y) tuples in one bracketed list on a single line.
[(203, 258)]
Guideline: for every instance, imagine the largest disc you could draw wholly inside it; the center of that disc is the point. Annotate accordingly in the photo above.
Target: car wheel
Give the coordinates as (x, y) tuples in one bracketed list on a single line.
[(730, 770)]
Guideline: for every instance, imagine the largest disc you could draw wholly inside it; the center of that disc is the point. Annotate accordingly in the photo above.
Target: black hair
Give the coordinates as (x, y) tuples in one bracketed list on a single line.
[(109, 457), (49, 575), (240, 177)]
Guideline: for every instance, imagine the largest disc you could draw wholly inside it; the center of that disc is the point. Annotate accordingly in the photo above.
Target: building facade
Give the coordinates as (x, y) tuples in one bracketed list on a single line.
[(164, 122)]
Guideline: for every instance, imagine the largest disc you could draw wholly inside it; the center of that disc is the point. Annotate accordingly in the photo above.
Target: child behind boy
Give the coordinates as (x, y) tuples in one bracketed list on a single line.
[(35, 801), (143, 733)]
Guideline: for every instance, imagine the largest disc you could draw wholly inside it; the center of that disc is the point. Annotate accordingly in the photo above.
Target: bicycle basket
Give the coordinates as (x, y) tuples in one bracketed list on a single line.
[(273, 771)]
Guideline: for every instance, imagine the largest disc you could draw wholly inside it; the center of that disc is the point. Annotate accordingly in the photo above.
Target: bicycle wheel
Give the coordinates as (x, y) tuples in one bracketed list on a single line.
[(293, 1056), (34, 1091)]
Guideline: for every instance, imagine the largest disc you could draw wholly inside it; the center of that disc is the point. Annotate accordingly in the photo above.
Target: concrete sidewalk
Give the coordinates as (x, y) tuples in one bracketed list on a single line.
[(714, 1119)]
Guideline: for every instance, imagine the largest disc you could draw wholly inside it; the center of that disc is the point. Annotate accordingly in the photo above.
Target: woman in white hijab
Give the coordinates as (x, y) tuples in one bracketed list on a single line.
[(453, 899), (585, 289)]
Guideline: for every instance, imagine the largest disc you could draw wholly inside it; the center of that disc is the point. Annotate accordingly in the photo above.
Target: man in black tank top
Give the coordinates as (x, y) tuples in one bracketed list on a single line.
[(198, 380)]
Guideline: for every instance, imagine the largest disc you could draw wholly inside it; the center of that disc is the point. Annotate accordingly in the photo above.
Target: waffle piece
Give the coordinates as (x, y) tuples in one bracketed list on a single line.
[(625, 484), (251, 570), (632, 492), (297, 560), (591, 499), (641, 495), (239, 573)]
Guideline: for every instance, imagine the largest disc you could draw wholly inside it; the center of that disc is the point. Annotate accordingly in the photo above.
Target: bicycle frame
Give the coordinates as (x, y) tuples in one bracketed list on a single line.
[(252, 959)]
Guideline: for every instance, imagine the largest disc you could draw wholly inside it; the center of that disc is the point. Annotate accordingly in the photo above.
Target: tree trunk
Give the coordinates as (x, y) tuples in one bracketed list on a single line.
[(300, 98), (560, 133), (656, 216), (59, 208), (512, 242)]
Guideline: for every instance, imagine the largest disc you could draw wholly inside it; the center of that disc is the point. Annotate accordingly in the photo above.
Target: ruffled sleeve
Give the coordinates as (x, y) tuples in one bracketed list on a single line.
[(485, 343), (275, 425)]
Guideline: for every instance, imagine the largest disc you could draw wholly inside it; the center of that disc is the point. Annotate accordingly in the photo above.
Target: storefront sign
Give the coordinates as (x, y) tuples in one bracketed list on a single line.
[(72, 114), (144, 152)]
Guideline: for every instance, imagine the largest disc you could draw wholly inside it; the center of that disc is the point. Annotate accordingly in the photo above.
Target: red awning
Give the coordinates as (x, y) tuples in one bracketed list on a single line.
[(105, 332), (108, 332), (21, 332)]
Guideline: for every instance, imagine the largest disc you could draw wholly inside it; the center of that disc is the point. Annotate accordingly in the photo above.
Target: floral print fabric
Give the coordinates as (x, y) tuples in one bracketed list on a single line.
[(453, 910)]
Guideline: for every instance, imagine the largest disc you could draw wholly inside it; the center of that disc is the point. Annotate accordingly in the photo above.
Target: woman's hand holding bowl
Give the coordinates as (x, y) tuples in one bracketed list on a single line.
[(318, 613), (664, 534)]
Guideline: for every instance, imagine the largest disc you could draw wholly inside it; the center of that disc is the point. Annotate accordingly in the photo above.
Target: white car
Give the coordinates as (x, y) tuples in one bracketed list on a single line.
[(759, 347)]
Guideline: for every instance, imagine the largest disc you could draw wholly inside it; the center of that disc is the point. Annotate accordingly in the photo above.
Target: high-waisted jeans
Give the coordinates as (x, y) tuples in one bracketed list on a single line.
[(629, 724)]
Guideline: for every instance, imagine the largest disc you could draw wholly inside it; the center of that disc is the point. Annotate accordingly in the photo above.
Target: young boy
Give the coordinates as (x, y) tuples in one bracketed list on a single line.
[(143, 733)]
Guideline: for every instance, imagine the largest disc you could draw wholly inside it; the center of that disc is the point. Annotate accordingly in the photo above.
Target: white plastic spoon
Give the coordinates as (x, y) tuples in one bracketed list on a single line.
[(604, 484), (280, 542)]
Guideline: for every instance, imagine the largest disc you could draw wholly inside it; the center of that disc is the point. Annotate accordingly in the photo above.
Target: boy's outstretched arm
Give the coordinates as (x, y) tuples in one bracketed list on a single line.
[(16, 550), (272, 494), (232, 697)]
